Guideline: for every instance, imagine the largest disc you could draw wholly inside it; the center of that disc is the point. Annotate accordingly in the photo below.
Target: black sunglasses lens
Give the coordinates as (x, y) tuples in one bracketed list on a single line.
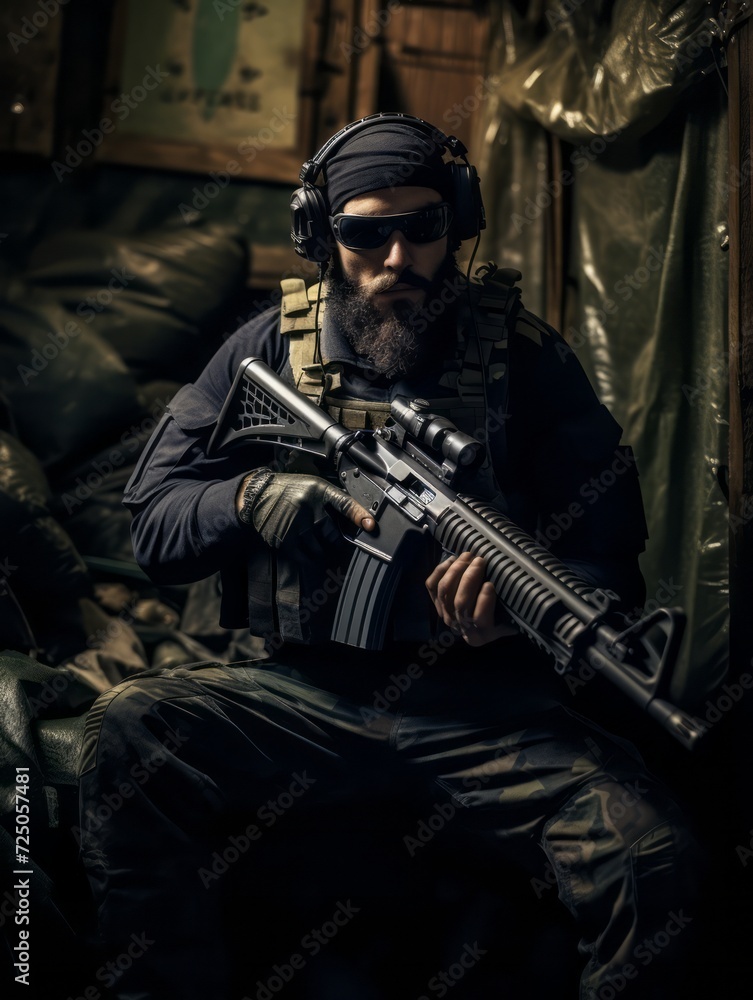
[(367, 232), (359, 232), (427, 226)]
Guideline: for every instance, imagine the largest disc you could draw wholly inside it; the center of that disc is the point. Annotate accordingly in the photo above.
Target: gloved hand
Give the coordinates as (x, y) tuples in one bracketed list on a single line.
[(290, 508)]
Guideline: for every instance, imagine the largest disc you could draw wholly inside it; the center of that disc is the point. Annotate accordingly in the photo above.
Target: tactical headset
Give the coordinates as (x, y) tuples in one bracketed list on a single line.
[(310, 210)]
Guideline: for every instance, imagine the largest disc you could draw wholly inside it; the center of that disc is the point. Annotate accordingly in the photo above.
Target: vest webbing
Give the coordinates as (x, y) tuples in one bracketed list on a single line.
[(481, 350)]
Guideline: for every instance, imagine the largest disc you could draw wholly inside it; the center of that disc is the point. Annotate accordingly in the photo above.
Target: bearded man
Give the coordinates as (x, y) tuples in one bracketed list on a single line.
[(456, 709)]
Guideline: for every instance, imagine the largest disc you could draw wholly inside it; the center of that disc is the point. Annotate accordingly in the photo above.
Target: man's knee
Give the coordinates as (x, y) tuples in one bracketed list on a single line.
[(126, 720), (621, 825)]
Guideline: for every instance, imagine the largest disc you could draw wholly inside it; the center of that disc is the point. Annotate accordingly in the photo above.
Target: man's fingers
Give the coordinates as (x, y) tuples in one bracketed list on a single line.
[(466, 601), (349, 508), (432, 581), (443, 584), (483, 614), (468, 592)]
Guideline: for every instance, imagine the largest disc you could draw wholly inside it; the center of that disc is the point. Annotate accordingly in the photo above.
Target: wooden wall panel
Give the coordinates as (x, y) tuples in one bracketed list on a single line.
[(434, 65)]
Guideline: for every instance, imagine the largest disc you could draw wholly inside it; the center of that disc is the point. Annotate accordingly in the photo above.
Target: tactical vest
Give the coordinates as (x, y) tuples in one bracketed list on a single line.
[(488, 306)]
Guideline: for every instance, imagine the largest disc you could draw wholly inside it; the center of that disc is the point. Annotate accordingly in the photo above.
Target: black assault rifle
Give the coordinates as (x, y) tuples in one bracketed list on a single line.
[(404, 474)]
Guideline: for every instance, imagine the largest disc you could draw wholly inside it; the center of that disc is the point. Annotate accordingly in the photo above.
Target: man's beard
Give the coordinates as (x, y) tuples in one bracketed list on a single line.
[(393, 343)]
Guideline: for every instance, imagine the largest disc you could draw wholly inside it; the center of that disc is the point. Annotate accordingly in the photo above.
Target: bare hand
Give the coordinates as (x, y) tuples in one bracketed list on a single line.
[(465, 600)]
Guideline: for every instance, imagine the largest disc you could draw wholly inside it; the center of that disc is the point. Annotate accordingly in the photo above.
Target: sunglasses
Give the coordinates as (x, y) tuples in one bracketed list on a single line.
[(367, 232)]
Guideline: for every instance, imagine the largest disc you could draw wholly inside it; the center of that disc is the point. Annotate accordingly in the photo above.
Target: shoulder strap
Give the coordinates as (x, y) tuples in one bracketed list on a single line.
[(486, 329), (317, 381), (483, 330), (298, 322)]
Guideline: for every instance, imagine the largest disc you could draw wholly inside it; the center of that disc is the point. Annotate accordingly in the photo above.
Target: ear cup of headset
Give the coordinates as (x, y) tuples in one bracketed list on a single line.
[(309, 224), (467, 207)]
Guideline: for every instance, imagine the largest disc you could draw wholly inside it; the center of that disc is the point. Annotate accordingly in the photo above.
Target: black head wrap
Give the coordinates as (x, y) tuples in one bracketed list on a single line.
[(385, 155)]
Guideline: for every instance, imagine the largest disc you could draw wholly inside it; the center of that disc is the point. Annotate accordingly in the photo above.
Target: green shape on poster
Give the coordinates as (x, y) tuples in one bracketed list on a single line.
[(215, 41)]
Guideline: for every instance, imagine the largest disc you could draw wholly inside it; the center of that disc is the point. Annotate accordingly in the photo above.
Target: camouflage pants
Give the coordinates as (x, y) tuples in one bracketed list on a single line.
[(170, 751)]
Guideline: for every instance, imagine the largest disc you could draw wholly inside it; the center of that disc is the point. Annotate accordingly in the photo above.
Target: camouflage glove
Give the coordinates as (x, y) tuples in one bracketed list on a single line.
[(286, 507)]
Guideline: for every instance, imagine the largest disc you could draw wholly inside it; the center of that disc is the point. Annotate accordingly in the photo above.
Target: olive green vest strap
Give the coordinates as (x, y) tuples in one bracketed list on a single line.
[(295, 298), (358, 414), (485, 332), (298, 318)]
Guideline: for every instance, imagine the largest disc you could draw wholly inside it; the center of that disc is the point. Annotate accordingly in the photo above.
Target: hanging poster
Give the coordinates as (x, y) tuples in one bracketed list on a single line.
[(206, 85)]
